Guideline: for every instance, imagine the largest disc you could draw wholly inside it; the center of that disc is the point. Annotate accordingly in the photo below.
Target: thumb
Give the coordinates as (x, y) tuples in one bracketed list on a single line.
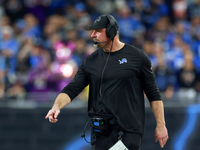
[(156, 139)]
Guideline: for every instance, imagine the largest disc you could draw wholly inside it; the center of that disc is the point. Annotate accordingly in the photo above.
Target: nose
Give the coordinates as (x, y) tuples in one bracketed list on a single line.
[(93, 35)]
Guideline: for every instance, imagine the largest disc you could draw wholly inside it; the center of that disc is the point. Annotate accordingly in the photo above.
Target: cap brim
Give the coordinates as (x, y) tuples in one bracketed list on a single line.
[(88, 27)]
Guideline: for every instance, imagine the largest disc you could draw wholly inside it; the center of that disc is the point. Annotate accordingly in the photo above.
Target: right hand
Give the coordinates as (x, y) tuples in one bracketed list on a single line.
[(52, 115)]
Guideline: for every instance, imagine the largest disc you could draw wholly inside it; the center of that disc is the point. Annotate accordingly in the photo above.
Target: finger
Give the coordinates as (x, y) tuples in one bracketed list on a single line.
[(156, 139), (165, 140), (52, 120), (56, 114), (161, 143), (48, 114)]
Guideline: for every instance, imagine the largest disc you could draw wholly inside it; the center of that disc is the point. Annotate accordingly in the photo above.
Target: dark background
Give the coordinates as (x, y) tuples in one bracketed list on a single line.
[(26, 129)]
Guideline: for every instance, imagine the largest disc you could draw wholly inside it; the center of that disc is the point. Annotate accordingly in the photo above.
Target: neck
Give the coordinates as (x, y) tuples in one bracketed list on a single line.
[(116, 45)]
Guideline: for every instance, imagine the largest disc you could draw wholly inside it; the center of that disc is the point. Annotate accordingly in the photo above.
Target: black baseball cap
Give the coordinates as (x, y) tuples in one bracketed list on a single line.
[(100, 23)]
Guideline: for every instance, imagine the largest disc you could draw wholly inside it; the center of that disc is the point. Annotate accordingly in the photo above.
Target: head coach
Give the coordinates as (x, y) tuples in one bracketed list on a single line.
[(118, 75)]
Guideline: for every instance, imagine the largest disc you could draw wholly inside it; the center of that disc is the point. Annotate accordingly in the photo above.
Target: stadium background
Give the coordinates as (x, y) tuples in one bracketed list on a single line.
[(42, 43)]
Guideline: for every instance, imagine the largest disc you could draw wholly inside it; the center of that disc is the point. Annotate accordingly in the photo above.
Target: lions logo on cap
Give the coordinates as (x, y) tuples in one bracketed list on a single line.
[(98, 19)]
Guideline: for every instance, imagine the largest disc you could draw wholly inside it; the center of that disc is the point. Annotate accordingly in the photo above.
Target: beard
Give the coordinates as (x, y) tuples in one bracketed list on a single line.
[(96, 45)]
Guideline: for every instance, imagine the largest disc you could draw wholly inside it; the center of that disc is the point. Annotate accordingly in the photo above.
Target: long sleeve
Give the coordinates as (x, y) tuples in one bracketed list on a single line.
[(79, 82), (148, 79)]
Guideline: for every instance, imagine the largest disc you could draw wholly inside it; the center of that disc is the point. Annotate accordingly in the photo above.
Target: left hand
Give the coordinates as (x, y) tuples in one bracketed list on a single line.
[(161, 134)]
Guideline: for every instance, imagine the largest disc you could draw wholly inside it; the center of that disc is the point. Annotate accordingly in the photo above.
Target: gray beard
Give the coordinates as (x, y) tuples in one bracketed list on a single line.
[(96, 45)]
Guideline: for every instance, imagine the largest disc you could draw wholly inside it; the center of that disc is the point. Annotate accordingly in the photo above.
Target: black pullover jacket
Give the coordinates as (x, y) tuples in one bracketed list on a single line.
[(117, 82)]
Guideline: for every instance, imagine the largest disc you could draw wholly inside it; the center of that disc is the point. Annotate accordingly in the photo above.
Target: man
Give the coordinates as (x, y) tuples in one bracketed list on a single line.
[(117, 75)]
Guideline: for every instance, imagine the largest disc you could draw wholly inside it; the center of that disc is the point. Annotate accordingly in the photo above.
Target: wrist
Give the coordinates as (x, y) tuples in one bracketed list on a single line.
[(160, 124), (55, 107)]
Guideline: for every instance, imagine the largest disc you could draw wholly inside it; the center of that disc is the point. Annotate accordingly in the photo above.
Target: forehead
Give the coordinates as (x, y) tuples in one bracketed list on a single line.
[(100, 30)]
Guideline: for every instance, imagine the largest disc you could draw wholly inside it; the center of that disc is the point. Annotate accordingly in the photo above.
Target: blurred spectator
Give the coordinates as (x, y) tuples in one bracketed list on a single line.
[(2, 86), (27, 27), (165, 78), (23, 57), (196, 51), (39, 73), (104, 7), (195, 26), (31, 28), (187, 78), (15, 9), (78, 15), (160, 30), (137, 6), (79, 54), (2, 11), (148, 49), (54, 26), (174, 56), (57, 6), (72, 35), (154, 10), (5, 21), (130, 27), (179, 8), (194, 9), (91, 9), (8, 49), (181, 29), (17, 91), (38, 8), (139, 41)]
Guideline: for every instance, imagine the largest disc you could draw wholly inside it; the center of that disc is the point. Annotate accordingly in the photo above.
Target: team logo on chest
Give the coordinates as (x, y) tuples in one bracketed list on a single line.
[(124, 60)]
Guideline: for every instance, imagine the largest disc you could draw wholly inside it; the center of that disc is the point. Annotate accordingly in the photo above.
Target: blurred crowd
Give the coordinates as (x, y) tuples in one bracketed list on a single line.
[(42, 42)]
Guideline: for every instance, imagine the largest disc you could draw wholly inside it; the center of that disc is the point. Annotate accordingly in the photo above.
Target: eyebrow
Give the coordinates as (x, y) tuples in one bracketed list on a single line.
[(98, 29)]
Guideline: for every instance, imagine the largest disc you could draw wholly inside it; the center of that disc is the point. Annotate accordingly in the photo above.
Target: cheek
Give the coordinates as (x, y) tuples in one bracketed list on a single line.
[(103, 36), (99, 34)]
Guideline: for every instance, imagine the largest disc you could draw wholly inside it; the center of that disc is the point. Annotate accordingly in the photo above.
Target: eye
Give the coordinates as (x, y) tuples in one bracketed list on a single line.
[(99, 30)]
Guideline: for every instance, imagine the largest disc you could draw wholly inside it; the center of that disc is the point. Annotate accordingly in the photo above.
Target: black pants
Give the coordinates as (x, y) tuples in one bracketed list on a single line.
[(132, 141)]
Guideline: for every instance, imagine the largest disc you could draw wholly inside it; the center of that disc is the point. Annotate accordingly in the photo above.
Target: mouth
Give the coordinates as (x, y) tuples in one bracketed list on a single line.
[(95, 42)]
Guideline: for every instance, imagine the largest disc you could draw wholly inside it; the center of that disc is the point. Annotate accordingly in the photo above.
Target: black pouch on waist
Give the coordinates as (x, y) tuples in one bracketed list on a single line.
[(100, 125)]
